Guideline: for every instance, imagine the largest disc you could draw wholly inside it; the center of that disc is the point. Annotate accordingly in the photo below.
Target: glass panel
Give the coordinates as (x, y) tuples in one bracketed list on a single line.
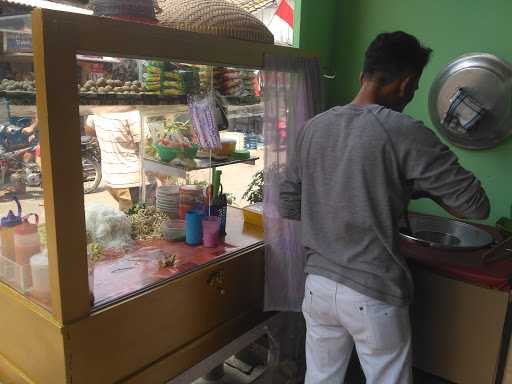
[(244, 113), (24, 257), (162, 206)]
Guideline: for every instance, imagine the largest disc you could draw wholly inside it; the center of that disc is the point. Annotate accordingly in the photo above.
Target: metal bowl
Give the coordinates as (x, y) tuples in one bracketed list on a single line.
[(449, 234)]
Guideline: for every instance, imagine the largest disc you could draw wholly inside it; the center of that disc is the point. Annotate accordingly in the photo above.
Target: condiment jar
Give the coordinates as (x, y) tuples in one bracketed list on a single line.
[(191, 196), (26, 240), (8, 224), (228, 146)]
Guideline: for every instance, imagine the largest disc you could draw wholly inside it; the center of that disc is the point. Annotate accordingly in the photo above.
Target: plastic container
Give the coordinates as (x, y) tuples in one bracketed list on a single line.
[(173, 230), (26, 240), (241, 155), (40, 275), (191, 151), (211, 230), (167, 154), (17, 276), (253, 214), (191, 197), (194, 227), (228, 146)]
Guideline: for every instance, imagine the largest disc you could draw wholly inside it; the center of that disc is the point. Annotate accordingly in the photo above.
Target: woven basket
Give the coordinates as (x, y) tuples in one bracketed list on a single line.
[(215, 17), (143, 10)]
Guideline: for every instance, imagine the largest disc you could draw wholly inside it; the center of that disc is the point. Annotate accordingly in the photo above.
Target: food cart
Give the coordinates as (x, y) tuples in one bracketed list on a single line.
[(149, 309)]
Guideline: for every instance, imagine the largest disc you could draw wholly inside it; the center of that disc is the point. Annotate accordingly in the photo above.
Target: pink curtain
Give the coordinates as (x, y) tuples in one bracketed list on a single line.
[(292, 95)]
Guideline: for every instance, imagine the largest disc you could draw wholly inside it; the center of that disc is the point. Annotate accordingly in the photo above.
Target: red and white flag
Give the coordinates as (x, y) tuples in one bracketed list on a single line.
[(285, 12)]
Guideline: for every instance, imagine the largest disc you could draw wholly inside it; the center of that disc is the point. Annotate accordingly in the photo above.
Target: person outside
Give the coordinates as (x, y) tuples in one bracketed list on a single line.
[(31, 132), (350, 181), (119, 135)]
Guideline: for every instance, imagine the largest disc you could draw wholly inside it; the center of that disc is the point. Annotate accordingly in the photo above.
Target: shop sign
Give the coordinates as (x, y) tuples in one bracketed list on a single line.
[(17, 42)]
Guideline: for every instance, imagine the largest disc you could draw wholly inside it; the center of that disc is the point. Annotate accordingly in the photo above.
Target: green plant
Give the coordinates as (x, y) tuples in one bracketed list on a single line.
[(254, 193), (178, 127)]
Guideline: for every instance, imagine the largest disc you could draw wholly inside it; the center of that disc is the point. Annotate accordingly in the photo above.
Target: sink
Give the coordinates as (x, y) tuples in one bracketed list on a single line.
[(450, 234)]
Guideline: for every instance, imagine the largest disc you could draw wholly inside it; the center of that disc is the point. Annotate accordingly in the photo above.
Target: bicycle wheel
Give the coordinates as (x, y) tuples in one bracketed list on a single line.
[(91, 174)]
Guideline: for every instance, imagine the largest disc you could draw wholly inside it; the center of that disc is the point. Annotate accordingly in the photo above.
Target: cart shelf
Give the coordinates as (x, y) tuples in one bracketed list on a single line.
[(166, 169), (29, 98)]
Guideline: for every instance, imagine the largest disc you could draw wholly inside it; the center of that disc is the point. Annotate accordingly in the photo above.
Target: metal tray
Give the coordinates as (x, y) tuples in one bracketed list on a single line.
[(448, 234), (488, 79)]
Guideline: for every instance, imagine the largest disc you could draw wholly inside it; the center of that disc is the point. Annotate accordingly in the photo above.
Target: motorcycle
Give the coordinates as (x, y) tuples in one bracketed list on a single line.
[(18, 168), (21, 170), (18, 165)]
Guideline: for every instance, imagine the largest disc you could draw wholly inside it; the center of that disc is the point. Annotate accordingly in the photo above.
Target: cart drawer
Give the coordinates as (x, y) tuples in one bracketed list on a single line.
[(119, 341)]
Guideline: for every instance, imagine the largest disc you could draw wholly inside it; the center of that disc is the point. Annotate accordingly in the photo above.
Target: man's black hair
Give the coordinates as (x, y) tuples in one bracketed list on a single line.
[(393, 55)]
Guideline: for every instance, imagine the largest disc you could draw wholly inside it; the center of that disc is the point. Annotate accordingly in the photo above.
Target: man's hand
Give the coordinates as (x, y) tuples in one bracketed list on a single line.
[(30, 130)]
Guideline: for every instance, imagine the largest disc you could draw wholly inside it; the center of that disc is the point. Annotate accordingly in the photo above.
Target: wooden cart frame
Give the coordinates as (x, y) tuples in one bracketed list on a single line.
[(74, 344)]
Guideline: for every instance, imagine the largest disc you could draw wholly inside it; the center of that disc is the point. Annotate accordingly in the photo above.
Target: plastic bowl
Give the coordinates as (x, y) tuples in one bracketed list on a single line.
[(173, 230), (191, 152), (167, 154)]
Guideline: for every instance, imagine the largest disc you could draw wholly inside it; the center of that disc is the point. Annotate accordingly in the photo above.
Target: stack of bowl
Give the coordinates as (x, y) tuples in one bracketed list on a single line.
[(167, 200)]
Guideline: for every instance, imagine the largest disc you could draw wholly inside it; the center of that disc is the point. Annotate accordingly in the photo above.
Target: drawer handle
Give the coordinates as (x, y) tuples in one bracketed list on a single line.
[(216, 281)]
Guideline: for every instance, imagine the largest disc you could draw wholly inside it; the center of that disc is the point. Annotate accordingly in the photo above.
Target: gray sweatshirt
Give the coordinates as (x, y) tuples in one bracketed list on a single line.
[(350, 180)]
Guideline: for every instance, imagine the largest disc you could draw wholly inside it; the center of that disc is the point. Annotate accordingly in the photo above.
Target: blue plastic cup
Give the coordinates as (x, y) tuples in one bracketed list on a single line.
[(194, 227)]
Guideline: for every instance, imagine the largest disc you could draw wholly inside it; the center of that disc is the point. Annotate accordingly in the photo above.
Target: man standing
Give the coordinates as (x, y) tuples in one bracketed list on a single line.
[(355, 170), (119, 135)]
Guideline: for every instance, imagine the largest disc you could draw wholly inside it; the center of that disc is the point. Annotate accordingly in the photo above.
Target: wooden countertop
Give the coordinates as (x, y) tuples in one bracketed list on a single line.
[(139, 268), (467, 266)]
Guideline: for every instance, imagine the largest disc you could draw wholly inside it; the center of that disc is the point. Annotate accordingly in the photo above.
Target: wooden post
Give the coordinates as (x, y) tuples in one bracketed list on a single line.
[(59, 125)]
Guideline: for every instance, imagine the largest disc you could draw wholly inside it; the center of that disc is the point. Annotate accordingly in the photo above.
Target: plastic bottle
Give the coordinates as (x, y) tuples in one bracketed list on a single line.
[(26, 240), (40, 274)]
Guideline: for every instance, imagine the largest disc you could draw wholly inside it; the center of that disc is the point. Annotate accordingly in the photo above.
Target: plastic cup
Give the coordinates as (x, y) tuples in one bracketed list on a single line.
[(211, 229), (193, 227)]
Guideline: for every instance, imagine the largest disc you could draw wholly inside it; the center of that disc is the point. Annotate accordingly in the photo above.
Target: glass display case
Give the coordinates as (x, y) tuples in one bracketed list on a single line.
[(142, 142), (24, 256), (179, 144), (158, 139)]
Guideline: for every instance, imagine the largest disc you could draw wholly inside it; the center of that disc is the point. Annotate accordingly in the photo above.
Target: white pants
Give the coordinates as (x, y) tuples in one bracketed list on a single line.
[(338, 317)]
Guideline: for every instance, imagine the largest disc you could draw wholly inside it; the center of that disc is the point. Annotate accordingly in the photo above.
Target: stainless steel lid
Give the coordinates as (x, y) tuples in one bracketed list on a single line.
[(487, 79), (448, 234)]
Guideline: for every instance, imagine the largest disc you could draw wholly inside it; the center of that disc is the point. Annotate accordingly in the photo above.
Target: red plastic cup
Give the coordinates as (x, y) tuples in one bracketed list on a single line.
[(211, 229)]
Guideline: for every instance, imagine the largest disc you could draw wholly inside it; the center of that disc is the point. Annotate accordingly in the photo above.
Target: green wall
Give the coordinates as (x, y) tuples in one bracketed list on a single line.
[(450, 28), (315, 28)]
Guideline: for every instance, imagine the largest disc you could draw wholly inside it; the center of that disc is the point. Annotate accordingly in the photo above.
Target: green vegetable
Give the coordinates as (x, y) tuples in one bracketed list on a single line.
[(146, 222)]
